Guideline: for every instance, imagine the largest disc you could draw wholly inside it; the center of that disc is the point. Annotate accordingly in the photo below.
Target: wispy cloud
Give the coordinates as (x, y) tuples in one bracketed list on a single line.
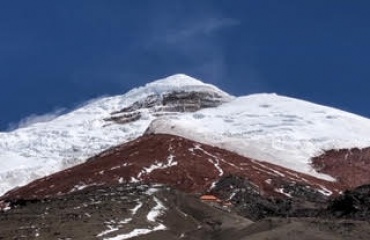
[(39, 118), (35, 118), (194, 41), (200, 28), (181, 37)]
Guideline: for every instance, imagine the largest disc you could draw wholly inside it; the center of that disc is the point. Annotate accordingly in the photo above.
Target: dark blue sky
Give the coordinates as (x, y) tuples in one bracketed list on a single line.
[(57, 54)]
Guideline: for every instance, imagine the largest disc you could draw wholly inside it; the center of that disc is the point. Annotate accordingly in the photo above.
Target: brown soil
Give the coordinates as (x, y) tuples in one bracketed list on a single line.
[(351, 167)]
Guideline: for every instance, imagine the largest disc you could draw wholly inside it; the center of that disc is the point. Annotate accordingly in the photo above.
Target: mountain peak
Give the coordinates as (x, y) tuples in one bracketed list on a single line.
[(175, 83), (179, 78)]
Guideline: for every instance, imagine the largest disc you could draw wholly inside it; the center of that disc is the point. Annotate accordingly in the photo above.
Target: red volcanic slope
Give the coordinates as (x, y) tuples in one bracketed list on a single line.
[(171, 160), (350, 167)]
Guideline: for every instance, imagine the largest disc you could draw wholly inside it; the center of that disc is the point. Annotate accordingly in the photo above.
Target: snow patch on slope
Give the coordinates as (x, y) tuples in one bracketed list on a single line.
[(268, 127), (158, 165), (152, 217)]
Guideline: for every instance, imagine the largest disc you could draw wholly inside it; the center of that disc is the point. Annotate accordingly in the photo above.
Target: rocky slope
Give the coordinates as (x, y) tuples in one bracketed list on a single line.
[(348, 166), (121, 212), (143, 212), (352, 204)]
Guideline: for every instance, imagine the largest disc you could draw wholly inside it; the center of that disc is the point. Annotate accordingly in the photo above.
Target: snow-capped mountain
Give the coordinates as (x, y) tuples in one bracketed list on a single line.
[(267, 127)]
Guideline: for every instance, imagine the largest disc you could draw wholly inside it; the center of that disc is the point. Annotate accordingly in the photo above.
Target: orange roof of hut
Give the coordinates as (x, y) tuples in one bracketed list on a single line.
[(209, 198)]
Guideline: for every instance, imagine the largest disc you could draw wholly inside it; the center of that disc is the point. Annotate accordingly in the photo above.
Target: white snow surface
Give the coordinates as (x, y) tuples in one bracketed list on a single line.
[(44, 148), (268, 127)]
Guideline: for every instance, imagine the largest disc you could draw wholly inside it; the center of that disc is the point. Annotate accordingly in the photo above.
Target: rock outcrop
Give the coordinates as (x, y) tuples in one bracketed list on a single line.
[(169, 103), (352, 204)]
